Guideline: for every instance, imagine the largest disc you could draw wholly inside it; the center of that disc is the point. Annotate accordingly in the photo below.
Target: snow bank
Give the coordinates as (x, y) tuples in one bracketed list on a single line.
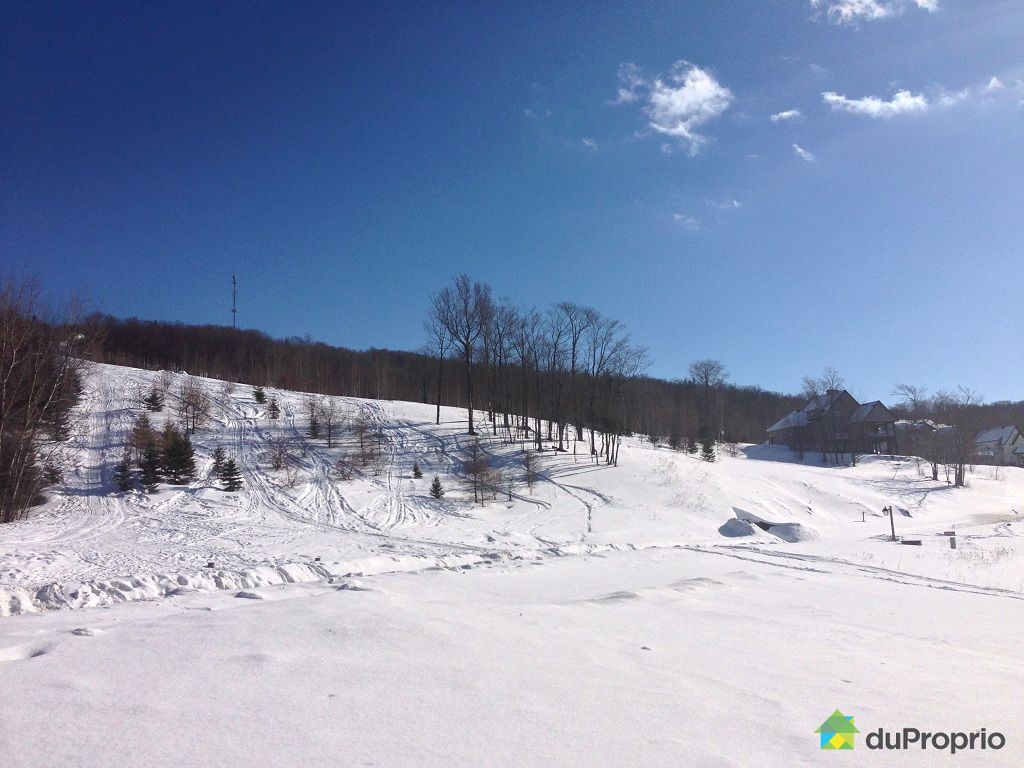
[(89, 594)]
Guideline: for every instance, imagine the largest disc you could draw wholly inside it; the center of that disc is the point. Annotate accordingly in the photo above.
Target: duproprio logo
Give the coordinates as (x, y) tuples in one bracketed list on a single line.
[(837, 732)]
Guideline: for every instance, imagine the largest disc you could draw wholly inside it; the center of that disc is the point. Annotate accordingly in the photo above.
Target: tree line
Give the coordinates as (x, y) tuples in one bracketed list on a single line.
[(495, 375)]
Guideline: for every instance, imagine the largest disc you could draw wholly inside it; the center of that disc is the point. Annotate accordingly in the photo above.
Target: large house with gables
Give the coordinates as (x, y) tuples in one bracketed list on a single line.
[(1004, 445), (836, 423)]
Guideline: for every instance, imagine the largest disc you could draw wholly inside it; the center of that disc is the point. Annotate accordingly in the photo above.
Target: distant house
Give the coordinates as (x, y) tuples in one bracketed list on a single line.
[(1003, 445), (836, 423)]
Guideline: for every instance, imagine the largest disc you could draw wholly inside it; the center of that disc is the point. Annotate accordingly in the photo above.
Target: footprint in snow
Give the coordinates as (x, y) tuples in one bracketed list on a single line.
[(86, 631)]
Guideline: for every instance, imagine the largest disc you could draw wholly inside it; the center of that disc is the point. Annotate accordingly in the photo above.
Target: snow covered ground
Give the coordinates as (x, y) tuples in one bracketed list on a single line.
[(635, 615)]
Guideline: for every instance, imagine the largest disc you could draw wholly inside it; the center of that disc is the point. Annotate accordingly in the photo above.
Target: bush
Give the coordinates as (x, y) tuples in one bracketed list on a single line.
[(436, 489)]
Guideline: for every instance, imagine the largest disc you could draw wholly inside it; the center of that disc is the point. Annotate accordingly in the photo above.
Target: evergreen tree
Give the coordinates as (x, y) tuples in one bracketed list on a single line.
[(675, 440), (150, 467), (436, 489), (416, 471), (154, 401), (123, 472), (691, 445), (231, 476), (178, 455), (707, 451), (259, 394), (273, 409), (219, 457), (142, 435), (314, 426)]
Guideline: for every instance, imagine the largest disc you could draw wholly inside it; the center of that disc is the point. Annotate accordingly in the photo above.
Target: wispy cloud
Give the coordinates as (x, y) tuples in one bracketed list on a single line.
[(803, 154), (905, 102), (902, 102), (853, 11), (589, 143), (724, 205), (789, 114), (995, 84), (686, 220), (678, 103)]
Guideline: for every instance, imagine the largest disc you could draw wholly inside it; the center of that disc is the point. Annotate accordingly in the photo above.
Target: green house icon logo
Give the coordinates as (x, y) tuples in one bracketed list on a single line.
[(837, 732)]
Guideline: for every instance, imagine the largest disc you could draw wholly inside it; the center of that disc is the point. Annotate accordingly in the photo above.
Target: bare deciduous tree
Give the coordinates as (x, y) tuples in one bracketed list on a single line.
[(193, 404), (461, 309), (41, 365)]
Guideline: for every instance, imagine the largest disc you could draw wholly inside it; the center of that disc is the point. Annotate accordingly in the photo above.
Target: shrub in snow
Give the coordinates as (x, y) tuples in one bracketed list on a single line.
[(123, 472), (150, 466), (436, 489), (259, 395), (707, 451), (219, 457), (231, 476), (154, 401)]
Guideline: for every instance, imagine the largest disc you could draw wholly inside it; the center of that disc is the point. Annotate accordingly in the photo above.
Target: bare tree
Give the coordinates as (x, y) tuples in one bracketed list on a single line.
[(531, 469), (709, 374), (193, 404), (461, 309), (280, 451), (475, 469), (362, 428), (578, 320), (331, 418), (912, 398), (958, 407), (41, 365), (440, 342)]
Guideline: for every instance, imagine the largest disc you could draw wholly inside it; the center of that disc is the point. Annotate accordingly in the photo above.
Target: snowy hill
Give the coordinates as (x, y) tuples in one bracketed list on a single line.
[(90, 545), (645, 614)]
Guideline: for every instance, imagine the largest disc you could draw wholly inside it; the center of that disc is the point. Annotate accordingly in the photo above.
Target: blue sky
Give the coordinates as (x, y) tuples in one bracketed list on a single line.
[(783, 184)]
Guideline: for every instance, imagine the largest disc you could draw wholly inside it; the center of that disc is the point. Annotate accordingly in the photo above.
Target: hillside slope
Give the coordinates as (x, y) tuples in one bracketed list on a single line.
[(89, 545)]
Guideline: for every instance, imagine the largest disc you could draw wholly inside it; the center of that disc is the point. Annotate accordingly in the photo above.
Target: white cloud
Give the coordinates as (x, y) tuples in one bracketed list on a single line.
[(853, 11), (872, 106), (789, 114), (995, 84), (803, 153), (688, 221), (724, 205), (589, 143), (630, 84), (678, 103)]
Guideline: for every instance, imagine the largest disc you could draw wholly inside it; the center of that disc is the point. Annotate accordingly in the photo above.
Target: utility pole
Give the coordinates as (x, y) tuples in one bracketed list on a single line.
[(234, 299), (892, 520)]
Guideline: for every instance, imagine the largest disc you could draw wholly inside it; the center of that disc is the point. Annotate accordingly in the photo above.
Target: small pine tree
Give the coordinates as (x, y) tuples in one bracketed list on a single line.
[(314, 426), (259, 394), (416, 471), (675, 441), (141, 436), (273, 409), (231, 476), (179, 458), (691, 445), (154, 401), (707, 450), (123, 472), (219, 457), (150, 468), (436, 489)]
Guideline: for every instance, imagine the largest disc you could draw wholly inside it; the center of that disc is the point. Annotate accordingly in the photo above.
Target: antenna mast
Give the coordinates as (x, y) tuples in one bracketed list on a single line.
[(234, 300)]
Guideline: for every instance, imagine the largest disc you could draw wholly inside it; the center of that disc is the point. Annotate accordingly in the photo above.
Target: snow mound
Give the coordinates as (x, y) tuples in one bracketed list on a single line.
[(736, 527)]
